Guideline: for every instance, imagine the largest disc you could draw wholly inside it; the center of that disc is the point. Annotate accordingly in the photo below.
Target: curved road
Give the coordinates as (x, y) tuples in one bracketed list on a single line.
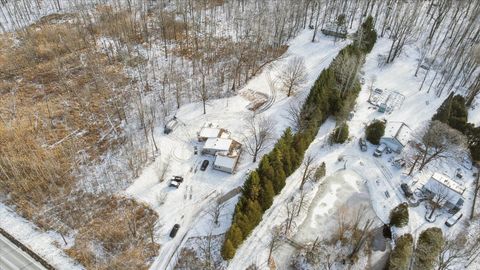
[(13, 258)]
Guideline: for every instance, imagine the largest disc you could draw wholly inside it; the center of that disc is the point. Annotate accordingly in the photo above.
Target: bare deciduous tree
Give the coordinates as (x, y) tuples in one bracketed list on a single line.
[(275, 241), (259, 133), (308, 170), (162, 168), (440, 194), (437, 141), (215, 211), (292, 209), (294, 114), (294, 76)]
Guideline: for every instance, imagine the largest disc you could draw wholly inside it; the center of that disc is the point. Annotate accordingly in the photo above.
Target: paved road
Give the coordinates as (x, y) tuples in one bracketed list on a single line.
[(13, 258)]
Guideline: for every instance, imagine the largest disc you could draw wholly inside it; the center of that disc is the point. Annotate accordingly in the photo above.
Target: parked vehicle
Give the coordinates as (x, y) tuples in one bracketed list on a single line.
[(195, 150), (174, 230), (406, 190), (387, 194), (170, 125), (363, 144), (454, 219), (380, 149), (174, 183), (204, 165), (399, 163), (177, 178)]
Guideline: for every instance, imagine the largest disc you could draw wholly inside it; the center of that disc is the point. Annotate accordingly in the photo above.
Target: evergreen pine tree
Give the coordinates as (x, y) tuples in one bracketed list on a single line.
[(402, 253), (339, 134), (266, 169), (252, 186), (254, 214), (429, 246), (267, 195), (235, 235), (375, 131), (228, 251), (443, 112), (399, 215)]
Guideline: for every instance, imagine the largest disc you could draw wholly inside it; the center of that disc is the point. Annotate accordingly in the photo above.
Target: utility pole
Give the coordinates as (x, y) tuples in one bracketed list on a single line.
[(477, 187)]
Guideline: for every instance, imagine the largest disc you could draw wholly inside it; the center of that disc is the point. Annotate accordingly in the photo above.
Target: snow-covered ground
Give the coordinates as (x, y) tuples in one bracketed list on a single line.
[(187, 205), (377, 174)]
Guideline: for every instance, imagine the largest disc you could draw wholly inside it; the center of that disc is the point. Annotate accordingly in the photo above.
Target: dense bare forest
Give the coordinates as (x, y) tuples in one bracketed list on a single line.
[(84, 86)]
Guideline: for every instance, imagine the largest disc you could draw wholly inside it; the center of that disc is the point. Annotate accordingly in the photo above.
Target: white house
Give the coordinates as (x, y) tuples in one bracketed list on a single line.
[(397, 135), (226, 162), (209, 131), (214, 145), (219, 144), (450, 190)]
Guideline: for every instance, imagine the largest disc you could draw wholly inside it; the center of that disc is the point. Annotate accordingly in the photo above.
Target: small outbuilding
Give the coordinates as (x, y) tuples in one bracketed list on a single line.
[(397, 135)]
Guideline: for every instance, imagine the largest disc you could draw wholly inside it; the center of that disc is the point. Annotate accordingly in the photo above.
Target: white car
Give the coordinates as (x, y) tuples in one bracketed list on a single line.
[(175, 183), (380, 149), (454, 219)]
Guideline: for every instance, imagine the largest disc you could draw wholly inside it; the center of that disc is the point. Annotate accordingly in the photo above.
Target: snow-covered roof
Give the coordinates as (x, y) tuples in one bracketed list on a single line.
[(399, 131), (208, 132), (226, 161), (219, 144), (448, 182)]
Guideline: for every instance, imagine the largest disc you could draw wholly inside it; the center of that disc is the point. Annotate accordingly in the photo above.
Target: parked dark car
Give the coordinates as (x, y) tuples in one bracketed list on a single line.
[(204, 165), (174, 230), (406, 190), (178, 178), (363, 144)]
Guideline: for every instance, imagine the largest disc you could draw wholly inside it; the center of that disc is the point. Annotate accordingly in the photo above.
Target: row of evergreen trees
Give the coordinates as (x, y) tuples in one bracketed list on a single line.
[(454, 112), (264, 183), (425, 255)]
